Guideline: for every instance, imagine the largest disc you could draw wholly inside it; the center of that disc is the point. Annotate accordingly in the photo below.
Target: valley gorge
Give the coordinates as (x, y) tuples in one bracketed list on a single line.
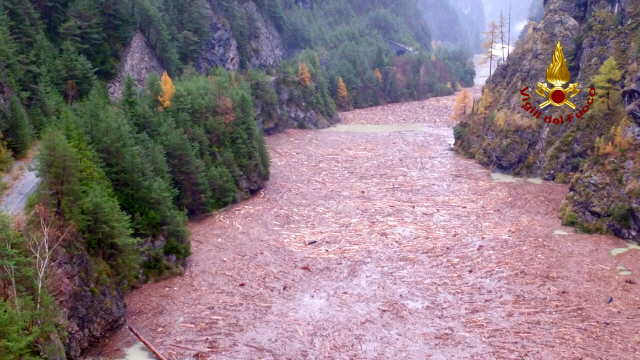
[(293, 179)]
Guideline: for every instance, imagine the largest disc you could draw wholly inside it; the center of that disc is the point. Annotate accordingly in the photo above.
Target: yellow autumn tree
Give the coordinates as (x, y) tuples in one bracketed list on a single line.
[(609, 149), (343, 94), (620, 141), (167, 90), (303, 74), (378, 74), (500, 120), (462, 106)]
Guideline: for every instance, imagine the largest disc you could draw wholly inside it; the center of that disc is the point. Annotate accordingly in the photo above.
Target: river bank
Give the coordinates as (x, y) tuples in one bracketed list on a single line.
[(387, 245)]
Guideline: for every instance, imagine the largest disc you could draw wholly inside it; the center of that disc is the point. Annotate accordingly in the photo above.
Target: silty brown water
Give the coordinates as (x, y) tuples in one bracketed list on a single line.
[(386, 245)]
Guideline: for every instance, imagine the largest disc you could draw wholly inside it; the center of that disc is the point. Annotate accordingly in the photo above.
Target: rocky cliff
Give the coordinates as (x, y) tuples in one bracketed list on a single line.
[(138, 60), (500, 134), (266, 48), (91, 306), (220, 49)]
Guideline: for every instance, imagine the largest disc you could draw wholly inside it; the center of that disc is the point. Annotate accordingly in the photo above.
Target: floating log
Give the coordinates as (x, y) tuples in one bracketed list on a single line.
[(147, 344)]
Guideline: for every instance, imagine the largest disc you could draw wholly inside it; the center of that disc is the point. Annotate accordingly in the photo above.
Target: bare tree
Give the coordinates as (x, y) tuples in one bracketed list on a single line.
[(509, 32), (501, 24), (491, 36), (42, 244)]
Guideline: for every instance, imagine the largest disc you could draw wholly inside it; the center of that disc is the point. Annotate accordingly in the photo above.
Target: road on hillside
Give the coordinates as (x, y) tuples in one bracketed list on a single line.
[(378, 242), (26, 182)]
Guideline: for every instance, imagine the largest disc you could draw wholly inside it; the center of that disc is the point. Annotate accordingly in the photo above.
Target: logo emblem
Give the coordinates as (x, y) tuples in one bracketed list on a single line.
[(558, 75)]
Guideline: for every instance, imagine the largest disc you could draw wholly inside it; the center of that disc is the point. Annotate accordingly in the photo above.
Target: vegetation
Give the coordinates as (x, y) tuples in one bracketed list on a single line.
[(121, 177)]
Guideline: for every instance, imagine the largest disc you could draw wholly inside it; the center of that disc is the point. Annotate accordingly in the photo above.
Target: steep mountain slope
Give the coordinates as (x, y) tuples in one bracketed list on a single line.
[(596, 152), (127, 157)]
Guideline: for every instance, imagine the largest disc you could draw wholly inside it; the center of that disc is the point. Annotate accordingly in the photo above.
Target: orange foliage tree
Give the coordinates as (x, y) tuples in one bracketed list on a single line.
[(378, 75), (303, 73), (167, 90), (463, 105), (343, 94)]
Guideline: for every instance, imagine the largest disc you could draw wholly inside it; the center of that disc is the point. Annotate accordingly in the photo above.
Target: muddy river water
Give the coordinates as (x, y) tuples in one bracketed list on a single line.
[(381, 243)]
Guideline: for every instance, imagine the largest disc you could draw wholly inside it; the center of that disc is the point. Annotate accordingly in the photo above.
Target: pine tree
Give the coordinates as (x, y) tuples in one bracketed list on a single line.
[(223, 187), (58, 167), (17, 128), (303, 74), (75, 75), (463, 105), (106, 231), (16, 340), (343, 94), (6, 160), (167, 90), (130, 96)]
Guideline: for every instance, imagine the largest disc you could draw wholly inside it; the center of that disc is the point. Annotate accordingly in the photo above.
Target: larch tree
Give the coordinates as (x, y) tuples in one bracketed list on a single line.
[(491, 35), (343, 94), (509, 31), (609, 73), (167, 90), (501, 25), (463, 105), (378, 75), (303, 74), (620, 141)]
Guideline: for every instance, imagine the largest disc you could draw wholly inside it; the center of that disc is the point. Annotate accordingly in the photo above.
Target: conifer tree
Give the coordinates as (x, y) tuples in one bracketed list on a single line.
[(620, 141), (303, 74), (463, 105), (6, 160), (17, 128), (608, 74), (609, 148), (491, 35), (167, 90), (343, 94), (378, 75), (501, 25), (130, 96)]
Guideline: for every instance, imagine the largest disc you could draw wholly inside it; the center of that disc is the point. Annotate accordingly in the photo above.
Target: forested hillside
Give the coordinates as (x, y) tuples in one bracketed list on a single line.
[(176, 133), (597, 153)]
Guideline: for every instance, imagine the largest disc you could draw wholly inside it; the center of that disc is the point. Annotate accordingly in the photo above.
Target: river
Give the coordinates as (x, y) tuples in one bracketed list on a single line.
[(381, 243)]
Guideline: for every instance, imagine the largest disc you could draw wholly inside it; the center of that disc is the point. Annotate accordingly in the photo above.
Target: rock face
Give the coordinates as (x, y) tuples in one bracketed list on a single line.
[(472, 11), (631, 99), (138, 60), (91, 311), (500, 134), (220, 49), (298, 116), (266, 50)]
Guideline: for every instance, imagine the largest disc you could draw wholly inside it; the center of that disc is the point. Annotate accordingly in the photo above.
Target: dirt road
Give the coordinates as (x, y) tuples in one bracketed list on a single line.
[(26, 182), (386, 245)]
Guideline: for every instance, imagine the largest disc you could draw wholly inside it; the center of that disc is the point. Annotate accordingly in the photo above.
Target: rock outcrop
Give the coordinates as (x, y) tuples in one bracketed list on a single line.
[(138, 60), (266, 50), (501, 135), (91, 310), (220, 49)]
